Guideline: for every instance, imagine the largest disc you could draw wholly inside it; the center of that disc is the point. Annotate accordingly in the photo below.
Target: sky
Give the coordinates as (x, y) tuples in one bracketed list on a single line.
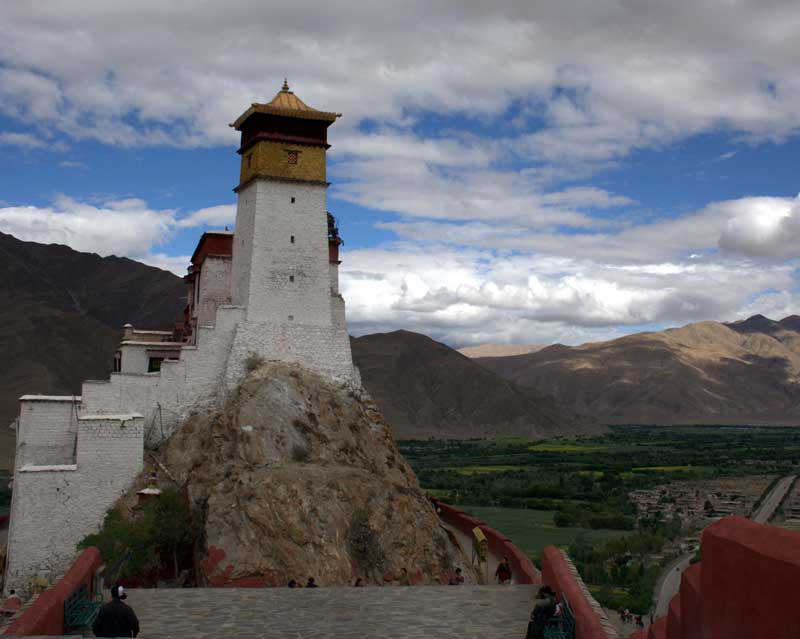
[(506, 172)]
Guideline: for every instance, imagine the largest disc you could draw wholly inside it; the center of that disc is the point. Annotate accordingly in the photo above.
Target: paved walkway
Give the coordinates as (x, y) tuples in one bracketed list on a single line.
[(479, 612)]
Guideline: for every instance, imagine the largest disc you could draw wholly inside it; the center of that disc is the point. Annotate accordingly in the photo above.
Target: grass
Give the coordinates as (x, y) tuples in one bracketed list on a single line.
[(532, 530), (664, 469), (568, 448), (482, 470)]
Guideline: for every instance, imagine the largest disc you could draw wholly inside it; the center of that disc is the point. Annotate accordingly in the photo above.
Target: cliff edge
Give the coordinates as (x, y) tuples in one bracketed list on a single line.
[(297, 476)]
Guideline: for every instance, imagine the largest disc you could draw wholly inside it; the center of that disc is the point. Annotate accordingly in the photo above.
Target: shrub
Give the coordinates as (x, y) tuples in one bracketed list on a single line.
[(253, 362)]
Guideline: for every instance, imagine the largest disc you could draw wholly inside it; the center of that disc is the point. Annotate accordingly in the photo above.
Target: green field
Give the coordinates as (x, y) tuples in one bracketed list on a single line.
[(532, 530)]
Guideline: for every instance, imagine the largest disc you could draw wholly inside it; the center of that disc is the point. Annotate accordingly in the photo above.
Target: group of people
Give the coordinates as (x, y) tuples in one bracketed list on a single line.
[(310, 583), (626, 616)]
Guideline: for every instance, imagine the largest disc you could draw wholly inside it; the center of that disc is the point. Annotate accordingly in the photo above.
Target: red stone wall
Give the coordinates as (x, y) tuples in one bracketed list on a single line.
[(557, 574), (499, 545), (46, 614), (747, 586), (674, 627), (750, 581), (691, 612)]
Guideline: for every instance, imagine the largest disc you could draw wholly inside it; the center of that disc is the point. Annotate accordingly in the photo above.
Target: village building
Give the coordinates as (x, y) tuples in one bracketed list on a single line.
[(268, 291)]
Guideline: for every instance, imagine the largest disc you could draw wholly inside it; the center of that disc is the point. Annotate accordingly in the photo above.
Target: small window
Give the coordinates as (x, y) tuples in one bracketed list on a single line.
[(154, 364), (249, 160), (291, 317), (292, 157), (291, 278), (291, 239), (292, 200)]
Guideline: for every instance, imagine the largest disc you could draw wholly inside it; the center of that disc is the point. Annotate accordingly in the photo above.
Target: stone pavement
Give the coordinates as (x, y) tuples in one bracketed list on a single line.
[(441, 612)]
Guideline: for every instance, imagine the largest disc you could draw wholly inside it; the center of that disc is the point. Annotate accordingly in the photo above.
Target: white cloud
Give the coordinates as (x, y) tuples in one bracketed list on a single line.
[(605, 80), (9, 138), (124, 227), (478, 296), (217, 216)]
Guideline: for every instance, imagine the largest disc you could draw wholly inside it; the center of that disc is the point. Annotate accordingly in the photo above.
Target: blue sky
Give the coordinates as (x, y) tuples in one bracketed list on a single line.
[(521, 172)]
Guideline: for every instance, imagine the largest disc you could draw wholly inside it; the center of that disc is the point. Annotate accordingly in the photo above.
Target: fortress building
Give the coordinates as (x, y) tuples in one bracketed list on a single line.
[(269, 291)]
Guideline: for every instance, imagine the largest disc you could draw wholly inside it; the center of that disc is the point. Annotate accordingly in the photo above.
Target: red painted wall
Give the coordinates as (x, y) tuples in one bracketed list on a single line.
[(691, 612), (557, 574), (658, 630), (499, 545), (46, 614), (750, 581), (674, 626)]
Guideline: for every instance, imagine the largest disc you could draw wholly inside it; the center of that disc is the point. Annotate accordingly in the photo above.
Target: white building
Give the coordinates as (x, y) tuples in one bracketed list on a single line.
[(268, 292)]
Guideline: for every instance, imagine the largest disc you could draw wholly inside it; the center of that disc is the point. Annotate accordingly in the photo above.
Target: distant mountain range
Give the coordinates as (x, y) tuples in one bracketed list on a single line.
[(745, 372), (61, 317), (61, 314), (426, 389), (500, 350)]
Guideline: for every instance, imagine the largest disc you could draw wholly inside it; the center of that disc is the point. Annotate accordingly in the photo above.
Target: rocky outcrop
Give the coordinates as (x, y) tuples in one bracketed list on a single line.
[(298, 477)]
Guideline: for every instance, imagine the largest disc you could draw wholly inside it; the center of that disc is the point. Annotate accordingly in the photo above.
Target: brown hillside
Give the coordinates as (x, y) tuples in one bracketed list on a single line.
[(708, 372), (426, 389), (61, 314)]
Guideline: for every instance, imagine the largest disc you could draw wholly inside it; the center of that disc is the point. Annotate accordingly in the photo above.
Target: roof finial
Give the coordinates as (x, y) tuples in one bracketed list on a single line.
[(285, 88)]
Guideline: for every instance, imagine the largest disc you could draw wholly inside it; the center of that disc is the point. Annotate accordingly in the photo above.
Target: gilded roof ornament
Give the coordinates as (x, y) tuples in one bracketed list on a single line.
[(286, 103)]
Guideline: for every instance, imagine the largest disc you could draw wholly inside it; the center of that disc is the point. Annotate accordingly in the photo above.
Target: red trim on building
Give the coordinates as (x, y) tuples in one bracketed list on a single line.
[(46, 614)]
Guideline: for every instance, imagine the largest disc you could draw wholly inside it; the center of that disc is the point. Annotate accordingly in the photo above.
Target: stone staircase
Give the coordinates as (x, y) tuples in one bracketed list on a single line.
[(481, 612)]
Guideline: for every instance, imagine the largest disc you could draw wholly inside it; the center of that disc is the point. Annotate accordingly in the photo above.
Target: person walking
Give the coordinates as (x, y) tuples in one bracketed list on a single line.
[(116, 618), (503, 572)]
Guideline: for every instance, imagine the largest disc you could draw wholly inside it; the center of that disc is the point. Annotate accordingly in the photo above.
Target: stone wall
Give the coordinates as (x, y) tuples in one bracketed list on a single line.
[(560, 574), (46, 615), (214, 281), (55, 506), (289, 281), (745, 587)]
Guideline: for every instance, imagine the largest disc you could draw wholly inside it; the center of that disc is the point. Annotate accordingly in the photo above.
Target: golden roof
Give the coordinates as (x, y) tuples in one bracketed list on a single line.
[(286, 103)]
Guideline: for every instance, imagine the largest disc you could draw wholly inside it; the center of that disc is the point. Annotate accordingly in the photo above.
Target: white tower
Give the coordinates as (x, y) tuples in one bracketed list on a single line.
[(285, 260)]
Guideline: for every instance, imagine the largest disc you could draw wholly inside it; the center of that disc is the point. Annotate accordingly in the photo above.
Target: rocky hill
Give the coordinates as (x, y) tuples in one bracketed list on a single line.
[(427, 389), (745, 372), (61, 315), (298, 477)]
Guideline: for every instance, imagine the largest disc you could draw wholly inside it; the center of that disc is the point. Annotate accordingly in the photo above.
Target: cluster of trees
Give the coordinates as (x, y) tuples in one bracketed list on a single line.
[(621, 567), (160, 534)]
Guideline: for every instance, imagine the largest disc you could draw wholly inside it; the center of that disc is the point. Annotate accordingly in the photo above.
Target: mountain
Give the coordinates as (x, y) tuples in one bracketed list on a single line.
[(426, 389), (745, 372), (61, 316), (500, 350)]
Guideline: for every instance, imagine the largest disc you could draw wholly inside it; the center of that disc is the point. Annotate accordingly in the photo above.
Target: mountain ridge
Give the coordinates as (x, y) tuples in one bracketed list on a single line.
[(745, 372)]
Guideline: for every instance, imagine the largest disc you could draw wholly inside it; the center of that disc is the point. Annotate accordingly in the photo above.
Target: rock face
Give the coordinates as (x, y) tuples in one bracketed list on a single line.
[(296, 477)]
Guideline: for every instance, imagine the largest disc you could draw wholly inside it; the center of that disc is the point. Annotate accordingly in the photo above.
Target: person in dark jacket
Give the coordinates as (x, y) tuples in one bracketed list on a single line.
[(116, 618), (544, 607)]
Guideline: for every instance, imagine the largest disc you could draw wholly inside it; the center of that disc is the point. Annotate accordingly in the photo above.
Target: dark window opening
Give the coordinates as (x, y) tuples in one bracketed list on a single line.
[(292, 200), (292, 157), (154, 364), (291, 317), (291, 239), (291, 278), (249, 160)]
